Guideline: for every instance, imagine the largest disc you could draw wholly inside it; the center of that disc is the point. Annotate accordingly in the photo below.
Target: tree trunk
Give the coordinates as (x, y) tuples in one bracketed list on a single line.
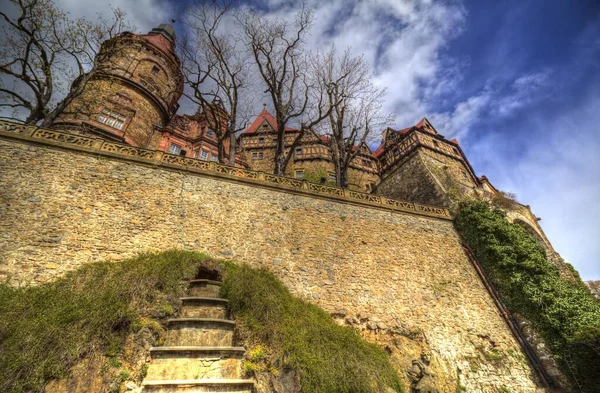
[(343, 177), (232, 149), (221, 151)]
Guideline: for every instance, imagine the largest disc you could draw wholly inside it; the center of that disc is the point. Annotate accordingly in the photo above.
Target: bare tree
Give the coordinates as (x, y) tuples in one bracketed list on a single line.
[(277, 48), (355, 107), (216, 72), (43, 50)]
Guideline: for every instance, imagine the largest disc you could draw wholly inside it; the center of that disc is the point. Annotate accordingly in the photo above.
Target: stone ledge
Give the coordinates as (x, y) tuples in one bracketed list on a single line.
[(201, 320), (201, 299), (10, 130), (205, 281), (196, 349), (209, 382)]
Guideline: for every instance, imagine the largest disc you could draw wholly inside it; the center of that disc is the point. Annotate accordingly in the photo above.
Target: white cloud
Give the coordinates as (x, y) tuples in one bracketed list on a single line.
[(143, 14)]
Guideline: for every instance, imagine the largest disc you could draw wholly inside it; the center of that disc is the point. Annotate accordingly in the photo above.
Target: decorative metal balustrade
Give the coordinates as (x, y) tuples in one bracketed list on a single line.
[(100, 146)]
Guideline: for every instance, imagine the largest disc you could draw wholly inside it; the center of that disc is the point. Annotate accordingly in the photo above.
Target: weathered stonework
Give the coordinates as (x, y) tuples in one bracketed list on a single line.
[(403, 277), (413, 181)]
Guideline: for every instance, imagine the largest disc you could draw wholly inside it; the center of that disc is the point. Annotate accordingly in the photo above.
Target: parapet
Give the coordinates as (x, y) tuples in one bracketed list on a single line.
[(33, 134)]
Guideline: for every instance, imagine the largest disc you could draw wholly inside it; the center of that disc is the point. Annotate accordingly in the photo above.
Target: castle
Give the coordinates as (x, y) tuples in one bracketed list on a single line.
[(135, 100), (122, 173)]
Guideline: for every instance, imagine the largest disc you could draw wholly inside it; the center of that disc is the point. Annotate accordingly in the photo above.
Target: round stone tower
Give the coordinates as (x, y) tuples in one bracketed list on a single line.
[(133, 92)]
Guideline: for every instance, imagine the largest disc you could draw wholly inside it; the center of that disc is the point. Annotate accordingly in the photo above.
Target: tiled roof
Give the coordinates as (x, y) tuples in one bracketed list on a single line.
[(264, 115)]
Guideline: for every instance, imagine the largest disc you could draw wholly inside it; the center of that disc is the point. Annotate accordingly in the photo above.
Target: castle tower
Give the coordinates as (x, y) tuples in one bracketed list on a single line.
[(134, 91), (419, 165)]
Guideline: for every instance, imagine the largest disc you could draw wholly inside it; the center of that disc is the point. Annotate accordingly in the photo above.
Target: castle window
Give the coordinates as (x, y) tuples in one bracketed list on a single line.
[(155, 70), (254, 155), (299, 174), (210, 133), (261, 140), (261, 155), (112, 119), (202, 154), (174, 149), (213, 157), (298, 150)]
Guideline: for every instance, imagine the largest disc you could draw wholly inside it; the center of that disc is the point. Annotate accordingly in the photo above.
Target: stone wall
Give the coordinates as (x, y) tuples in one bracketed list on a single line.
[(402, 278), (412, 180)]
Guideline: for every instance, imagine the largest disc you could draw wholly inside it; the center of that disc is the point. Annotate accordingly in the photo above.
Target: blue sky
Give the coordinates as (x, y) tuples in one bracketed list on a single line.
[(517, 82)]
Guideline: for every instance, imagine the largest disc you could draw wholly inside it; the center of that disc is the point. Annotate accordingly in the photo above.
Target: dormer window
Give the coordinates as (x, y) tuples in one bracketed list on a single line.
[(112, 119), (155, 70), (454, 150)]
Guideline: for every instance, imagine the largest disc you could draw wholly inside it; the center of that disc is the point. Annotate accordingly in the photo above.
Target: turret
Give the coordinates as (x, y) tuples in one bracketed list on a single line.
[(134, 90), (419, 165)]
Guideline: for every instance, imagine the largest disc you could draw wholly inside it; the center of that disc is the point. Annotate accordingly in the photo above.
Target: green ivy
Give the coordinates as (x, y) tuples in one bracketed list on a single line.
[(564, 313)]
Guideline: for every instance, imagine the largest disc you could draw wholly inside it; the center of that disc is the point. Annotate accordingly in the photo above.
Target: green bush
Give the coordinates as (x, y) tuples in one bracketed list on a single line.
[(317, 175), (46, 329), (563, 312), (302, 337)]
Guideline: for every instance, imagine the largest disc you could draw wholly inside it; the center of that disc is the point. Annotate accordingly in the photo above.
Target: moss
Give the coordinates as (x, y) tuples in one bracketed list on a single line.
[(45, 330), (563, 312), (302, 337), (318, 175)]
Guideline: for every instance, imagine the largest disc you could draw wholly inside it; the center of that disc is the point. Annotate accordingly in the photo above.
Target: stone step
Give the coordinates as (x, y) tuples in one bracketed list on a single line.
[(175, 363), (205, 288), (199, 386), (204, 307), (202, 332)]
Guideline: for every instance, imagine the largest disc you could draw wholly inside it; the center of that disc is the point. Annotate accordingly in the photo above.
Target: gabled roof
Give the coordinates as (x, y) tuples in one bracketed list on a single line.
[(263, 116)]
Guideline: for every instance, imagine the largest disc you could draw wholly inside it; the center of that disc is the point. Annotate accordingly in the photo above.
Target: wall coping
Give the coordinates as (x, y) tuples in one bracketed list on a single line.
[(29, 133)]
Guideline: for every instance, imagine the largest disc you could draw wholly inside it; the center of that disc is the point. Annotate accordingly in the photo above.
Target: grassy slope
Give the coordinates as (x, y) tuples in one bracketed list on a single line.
[(45, 330), (300, 336)]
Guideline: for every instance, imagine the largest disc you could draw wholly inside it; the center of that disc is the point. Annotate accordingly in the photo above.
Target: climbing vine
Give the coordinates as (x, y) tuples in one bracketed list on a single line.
[(564, 313)]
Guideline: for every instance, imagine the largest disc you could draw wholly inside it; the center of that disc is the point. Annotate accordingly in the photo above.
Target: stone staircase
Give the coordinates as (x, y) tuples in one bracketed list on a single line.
[(198, 355)]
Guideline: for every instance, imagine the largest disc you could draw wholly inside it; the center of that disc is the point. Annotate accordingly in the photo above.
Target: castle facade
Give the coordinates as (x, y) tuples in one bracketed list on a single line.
[(135, 98)]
